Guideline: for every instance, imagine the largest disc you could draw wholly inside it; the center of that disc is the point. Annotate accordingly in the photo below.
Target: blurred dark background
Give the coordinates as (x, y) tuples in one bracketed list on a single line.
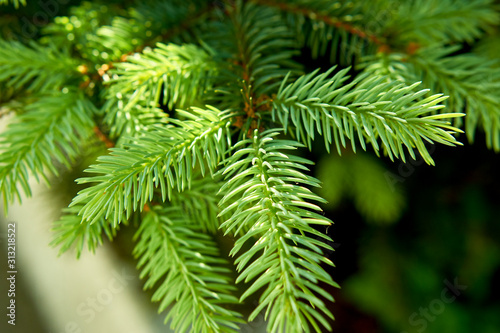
[(393, 275)]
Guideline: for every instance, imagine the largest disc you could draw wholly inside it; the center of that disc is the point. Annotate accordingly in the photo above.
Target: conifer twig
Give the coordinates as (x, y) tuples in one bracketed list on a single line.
[(332, 21)]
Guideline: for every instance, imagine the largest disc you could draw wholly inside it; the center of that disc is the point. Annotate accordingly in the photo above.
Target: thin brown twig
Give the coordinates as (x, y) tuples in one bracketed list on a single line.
[(102, 137), (331, 21)]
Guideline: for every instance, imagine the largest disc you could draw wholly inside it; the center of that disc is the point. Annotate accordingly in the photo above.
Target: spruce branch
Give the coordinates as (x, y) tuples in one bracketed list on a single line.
[(163, 158), (126, 124), (148, 24), (184, 265), (49, 132), (488, 47), (153, 66), (442, 21), (262, 51), (334, 29), (172, 75), (372, 107), (179, 73), (265, 194), (70, 231), (16, 3), (470, 80), (330, 13), (35, 68), (200, 202), (107, 35)]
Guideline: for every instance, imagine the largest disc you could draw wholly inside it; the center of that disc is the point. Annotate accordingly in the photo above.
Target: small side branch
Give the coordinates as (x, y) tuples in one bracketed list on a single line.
[(331, 21)]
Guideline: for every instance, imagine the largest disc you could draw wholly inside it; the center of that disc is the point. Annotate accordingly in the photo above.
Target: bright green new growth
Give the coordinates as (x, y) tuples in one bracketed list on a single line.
[(209, 109), (373, 107), (168, 246), (268, 202), (46, 135)]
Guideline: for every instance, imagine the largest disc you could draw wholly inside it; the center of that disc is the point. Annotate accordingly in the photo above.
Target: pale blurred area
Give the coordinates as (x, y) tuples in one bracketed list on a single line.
[(95, 294)]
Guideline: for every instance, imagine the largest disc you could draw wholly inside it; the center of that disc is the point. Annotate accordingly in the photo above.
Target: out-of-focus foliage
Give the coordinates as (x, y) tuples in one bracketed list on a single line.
[(16, 3), (448, 237), (362, 179)]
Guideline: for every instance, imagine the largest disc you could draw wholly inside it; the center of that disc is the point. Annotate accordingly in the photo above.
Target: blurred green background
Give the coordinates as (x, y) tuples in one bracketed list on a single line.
[(396, 273)]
